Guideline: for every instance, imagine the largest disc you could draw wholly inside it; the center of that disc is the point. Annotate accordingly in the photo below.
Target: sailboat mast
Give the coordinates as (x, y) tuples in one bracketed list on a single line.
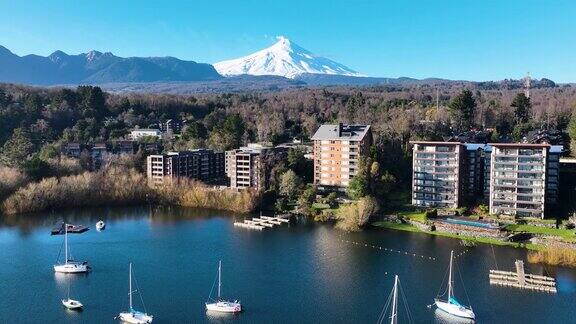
[(219, 277), (65, 243), (130, 284), (394, 316), (450, 276)]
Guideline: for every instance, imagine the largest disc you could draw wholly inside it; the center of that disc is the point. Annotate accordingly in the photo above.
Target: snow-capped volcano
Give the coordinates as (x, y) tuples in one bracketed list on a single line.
[(284, 58)]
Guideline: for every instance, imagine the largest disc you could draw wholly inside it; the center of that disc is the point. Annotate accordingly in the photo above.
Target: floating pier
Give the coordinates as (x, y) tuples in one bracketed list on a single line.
[(262, 222), (520, 279)]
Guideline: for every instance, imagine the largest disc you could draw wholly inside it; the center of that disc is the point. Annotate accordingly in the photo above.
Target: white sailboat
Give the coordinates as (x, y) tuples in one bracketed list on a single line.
[(221, 305), (393, 301), (133, 316), (70, 266), (451, 305), (71, 303), (394, 315)]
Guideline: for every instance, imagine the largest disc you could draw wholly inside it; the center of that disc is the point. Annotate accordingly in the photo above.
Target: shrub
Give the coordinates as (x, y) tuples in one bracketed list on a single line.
[(190, 193), (353, 216), (112, 187), (554, 256), (431, 213), (10, 180)]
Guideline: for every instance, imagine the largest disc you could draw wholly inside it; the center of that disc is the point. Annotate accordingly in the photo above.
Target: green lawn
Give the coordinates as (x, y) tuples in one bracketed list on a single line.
[(417, 216), (485, 240), (563, 233), (320, 206)]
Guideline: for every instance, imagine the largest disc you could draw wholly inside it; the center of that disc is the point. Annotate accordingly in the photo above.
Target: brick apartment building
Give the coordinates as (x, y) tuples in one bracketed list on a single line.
[(337, 151)]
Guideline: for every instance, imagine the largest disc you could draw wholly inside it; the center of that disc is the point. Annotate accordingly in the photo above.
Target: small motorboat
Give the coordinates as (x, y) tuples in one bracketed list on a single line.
[(100, 225), (62, 228), (72, 304)]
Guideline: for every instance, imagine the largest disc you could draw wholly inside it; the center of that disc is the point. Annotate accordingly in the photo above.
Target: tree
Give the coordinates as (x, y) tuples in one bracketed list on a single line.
[(303, 167), (290, 184), (17, 149), (461, 110), (36, 168), (571, 129), (194, 130), (522, 108)]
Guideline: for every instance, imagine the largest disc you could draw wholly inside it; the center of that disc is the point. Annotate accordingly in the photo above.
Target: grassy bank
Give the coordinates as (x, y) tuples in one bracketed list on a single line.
[(553, 256), (568, 235), (119, 186), (484, 240)]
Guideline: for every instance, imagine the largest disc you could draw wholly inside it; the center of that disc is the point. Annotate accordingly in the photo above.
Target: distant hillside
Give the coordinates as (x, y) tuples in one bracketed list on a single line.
[(229, 84), (327, 79), (95, 67)]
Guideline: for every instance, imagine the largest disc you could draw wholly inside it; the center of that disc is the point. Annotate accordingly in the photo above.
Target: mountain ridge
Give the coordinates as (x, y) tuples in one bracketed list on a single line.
[(98, 67)]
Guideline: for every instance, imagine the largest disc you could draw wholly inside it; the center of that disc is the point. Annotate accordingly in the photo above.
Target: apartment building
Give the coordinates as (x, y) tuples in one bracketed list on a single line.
[(202, 164), (474, 172), (337, 151), (438, 176), (515, 178), (518, 179), (524, 179), (245, 166)]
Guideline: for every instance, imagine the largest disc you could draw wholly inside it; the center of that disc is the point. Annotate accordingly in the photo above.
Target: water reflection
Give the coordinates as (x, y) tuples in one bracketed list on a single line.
[(157, 215), (442, 317), (219, 317)]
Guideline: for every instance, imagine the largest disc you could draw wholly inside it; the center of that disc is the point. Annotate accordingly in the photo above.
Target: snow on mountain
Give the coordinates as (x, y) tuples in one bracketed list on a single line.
[(285, 58)]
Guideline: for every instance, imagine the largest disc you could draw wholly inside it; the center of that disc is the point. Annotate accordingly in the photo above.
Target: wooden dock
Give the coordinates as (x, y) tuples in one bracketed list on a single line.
[(519, 279), (262, 222)]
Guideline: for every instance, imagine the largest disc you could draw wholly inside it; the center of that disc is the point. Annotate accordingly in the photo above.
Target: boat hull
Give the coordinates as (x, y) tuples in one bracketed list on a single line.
[(72, 304), (72, 267), (224, 307), (135, 318), (455, 310)]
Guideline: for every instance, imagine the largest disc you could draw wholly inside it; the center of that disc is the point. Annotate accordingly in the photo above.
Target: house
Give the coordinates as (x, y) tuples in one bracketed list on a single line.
[(139, 133)]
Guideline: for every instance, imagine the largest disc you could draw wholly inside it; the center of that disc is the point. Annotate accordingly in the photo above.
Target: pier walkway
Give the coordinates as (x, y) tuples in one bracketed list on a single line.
[(262, 222), (519, 279)]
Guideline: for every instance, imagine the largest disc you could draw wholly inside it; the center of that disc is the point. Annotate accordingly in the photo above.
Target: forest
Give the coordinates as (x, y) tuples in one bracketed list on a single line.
[(36, 122)]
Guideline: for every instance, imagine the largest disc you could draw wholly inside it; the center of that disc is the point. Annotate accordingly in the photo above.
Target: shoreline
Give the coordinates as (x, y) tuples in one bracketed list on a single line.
[(387, 225)]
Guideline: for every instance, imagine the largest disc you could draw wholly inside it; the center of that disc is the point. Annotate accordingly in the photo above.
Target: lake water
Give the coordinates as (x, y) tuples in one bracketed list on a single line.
[(302, 273)]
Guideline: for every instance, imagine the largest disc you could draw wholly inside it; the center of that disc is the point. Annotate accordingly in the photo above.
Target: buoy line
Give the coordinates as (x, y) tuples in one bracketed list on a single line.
[(377, 247)]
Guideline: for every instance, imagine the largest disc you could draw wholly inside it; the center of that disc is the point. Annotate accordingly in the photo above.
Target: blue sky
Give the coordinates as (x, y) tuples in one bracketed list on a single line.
[(461, 39)]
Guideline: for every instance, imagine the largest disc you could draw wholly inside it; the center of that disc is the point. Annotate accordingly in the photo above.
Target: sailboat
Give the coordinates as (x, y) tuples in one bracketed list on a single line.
[(70, 266), (451, 305), (133, 316), (221, 305), (71, 303), (394, 315), (393, 300)]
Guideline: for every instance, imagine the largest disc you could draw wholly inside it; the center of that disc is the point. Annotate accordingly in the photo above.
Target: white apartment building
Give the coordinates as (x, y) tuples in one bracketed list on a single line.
[(438, 173), (518, 178)]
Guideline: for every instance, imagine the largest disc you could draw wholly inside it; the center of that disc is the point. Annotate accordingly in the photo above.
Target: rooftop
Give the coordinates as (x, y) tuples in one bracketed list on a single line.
[(341, 132), (435, 143), (518, 145)]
